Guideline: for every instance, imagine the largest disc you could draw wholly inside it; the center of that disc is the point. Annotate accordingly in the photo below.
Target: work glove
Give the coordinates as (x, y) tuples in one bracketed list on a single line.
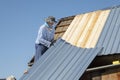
[(48, 44), (52, 43)]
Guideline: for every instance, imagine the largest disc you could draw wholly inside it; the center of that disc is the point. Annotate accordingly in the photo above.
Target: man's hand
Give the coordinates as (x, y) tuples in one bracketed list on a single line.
[(52, 43)]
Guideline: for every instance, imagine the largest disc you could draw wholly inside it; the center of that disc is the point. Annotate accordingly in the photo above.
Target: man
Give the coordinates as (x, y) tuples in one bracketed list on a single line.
[(45, 37)]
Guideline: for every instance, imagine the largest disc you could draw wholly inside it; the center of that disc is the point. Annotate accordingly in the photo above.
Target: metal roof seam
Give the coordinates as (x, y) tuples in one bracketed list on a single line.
[(54, 63), (95, 51), (112, 36), (48, 59), (42, 62)]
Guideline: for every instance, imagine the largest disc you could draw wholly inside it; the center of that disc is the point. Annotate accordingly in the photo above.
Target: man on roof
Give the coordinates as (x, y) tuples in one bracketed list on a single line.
[(45, 37)]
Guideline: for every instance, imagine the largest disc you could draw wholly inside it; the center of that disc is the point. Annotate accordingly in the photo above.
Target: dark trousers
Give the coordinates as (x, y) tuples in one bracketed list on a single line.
[(40, 50)]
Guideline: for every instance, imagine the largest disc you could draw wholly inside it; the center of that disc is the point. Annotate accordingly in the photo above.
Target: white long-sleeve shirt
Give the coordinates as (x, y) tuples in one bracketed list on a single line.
[(45, 35)]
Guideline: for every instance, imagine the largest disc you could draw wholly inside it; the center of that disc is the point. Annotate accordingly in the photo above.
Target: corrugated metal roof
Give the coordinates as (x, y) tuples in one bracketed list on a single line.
[(88, 35), (99, 28), (85, 29), (43, 58), (110, 36), (62, 62)]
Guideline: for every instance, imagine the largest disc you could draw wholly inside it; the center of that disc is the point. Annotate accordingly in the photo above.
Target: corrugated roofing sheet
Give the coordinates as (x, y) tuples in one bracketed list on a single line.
[(99, 28), (85, 29), (43, 58), (110, 36), (62, 62)]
